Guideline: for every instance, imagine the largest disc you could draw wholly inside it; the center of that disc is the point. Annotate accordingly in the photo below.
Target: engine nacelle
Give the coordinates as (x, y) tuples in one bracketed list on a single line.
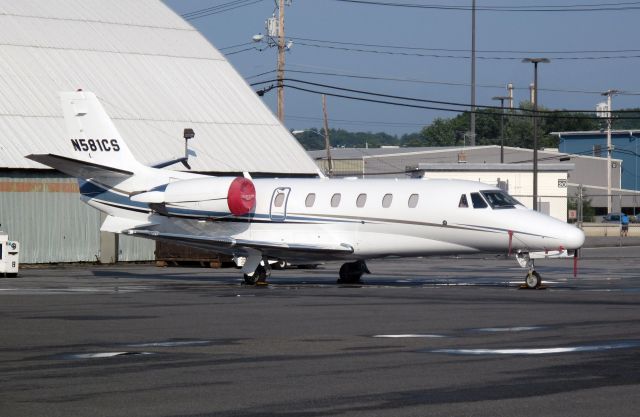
[(211, 197)]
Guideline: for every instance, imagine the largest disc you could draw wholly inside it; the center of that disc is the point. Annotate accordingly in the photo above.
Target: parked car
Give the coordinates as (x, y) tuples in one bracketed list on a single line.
[(611, 218), (615, 218)]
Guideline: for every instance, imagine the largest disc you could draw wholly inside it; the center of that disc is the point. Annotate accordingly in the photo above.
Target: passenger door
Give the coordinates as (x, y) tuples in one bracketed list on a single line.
[(278, 210)]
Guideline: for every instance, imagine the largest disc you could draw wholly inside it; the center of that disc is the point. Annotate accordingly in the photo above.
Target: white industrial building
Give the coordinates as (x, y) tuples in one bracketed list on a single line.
[(155, 75)]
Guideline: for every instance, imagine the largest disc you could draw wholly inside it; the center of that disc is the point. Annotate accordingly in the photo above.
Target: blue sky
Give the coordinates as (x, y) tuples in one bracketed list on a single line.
[(534, 33)]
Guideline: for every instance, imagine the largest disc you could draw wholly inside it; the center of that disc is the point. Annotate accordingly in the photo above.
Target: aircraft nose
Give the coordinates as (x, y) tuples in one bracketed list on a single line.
[(572, 237)]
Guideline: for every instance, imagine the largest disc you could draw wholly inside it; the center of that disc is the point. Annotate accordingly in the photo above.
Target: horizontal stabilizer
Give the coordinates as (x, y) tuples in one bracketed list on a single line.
[(80, 169), (115, 224)]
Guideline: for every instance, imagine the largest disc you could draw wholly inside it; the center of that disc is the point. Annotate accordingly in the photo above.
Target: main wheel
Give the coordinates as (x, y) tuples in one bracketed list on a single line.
[(258, 277), (350, 273), (279, 265), (533, 280), (250, 279)]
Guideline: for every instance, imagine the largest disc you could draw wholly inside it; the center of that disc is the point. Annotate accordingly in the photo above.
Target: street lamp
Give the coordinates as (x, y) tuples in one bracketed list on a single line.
[(609, 116), (535, 62), (502, 99)]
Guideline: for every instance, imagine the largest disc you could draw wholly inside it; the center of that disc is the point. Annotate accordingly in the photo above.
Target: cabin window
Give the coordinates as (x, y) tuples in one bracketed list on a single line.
[(361, 200), (413, 200), (279, 200), (499, 199), (311, 198), (335, 200), (386, 200), (463, 201), (477, 201)]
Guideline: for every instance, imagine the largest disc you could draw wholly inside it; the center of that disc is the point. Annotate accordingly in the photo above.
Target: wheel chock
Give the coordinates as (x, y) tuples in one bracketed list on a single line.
[(524, 287)]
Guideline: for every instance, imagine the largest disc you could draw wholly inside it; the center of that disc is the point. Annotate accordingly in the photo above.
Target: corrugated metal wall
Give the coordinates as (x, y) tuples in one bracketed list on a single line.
[(135, 249), (44, 213)]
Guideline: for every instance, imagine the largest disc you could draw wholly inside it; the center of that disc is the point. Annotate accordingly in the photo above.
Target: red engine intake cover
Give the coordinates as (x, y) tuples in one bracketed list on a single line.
[(241, 197)]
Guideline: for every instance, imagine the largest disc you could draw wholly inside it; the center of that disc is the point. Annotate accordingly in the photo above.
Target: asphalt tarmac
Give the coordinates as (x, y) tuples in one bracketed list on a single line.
[(436, 337)]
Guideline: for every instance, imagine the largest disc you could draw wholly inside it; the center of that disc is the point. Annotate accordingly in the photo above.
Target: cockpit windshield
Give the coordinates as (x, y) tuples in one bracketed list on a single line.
[(500, 199)]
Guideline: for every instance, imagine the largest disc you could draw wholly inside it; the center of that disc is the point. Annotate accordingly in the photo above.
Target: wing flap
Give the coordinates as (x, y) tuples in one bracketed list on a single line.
[(229, 242)]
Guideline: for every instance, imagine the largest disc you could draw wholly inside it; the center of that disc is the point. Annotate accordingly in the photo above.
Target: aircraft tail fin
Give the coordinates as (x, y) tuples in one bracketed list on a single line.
[(97, 151), (91, 133)]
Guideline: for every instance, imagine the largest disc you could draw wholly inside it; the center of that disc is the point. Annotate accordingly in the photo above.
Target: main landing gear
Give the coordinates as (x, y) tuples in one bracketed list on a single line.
[(532, 280), (257, 270), (259, 276), (351, 272)]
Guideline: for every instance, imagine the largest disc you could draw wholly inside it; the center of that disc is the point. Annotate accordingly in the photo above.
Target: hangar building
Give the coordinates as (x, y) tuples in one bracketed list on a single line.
[(155, 75)]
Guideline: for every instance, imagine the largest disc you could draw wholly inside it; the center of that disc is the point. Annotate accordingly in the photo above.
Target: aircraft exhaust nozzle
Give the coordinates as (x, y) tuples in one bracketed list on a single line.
[(218, 196)]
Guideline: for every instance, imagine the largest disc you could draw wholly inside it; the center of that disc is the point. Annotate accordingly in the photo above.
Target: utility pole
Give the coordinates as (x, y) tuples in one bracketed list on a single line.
[(609, 94), (535, 62), (280, 69), (327, 142), (472, 124)]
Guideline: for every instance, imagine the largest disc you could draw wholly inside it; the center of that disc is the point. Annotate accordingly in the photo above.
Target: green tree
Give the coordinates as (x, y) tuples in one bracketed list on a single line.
[(518, 127), (413, 140), (588, 211), (445, 132), (313, 139), (627, 123)]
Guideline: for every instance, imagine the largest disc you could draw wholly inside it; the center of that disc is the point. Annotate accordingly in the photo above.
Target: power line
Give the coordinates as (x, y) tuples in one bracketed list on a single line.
[(506, 51), (235, 46), (241, 50), (447, 83), (221, 8), (449, 56), (360, 122), (620, 6), (528, 113), (261, 74)]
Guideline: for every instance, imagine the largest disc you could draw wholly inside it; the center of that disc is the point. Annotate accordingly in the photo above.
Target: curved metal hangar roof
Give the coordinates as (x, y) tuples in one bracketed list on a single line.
[(155, 75)]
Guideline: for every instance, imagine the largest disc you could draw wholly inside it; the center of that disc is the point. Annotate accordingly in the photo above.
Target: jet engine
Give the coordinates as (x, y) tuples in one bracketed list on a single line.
[(207, 197)]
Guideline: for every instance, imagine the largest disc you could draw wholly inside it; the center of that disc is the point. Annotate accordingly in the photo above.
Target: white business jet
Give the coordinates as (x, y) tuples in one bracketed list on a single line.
[(265, 220)]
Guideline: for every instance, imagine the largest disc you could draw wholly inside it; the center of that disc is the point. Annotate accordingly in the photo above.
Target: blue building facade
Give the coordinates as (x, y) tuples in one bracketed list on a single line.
[(626, 145)]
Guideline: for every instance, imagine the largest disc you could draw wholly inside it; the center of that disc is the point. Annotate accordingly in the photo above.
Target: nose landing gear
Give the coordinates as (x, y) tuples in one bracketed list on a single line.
[(533, 280)]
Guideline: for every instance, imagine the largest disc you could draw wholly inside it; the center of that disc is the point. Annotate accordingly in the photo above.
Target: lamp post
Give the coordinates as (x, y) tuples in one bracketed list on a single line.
[(535, 62), (472, 116), (502, 99), (609, 94)]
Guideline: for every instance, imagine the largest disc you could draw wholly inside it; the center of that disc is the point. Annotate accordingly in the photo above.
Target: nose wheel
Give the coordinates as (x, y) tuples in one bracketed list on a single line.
[(533, 280)]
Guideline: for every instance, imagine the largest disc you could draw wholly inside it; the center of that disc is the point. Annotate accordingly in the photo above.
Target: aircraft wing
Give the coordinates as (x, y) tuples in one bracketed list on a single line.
[(224, 244)]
